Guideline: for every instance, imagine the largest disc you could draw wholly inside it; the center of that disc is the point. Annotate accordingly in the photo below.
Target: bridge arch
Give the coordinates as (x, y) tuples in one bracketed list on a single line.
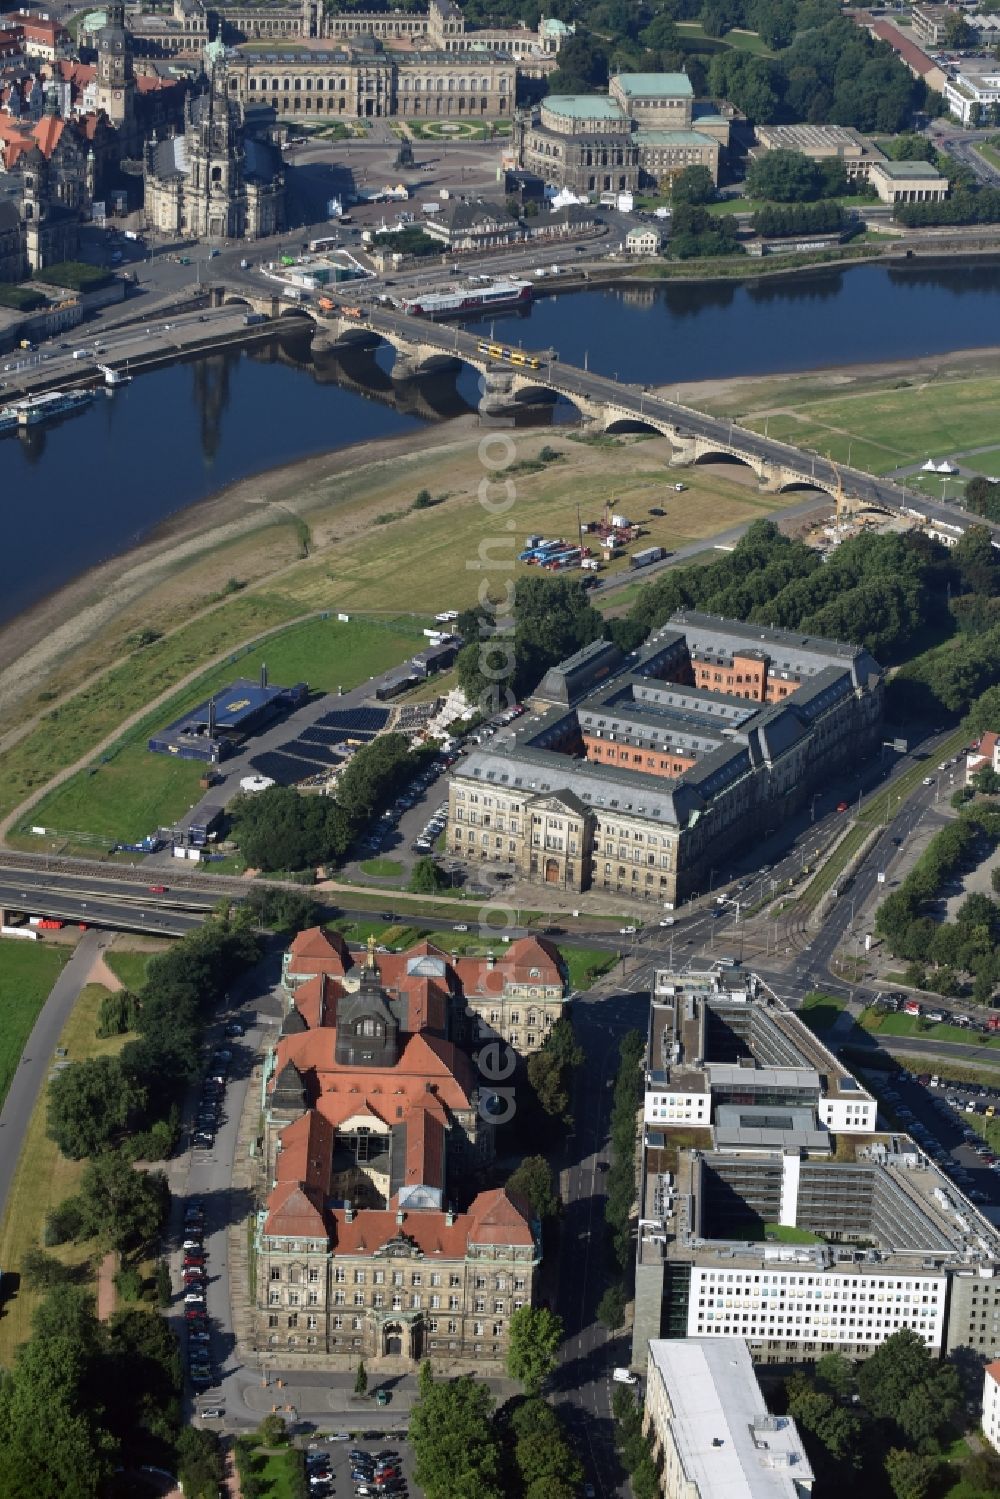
[(803, 486), (720, 455), (626, 424)]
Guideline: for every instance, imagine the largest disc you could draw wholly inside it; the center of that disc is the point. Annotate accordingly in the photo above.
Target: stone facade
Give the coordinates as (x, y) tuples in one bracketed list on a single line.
[(348, 84), (646, 130), (212, 181), (374, 1127), (633, 772)]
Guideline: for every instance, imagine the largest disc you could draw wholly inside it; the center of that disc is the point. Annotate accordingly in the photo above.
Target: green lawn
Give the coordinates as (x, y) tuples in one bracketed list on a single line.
[(820, 1012), (27, 972), (585, 964), (130, 967), (275, 1471), (737, 41), (133, 792), (882, 430), (750, 205), (987, 463), (786, 1234), (989, 153), (382, 867), (988, 1128), (913, 1025)]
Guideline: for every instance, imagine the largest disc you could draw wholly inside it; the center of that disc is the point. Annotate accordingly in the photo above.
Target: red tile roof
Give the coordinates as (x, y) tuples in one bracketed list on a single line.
[(487, 1222), (316, 1001), (993, 1370), (915, 58), (306, 1152), (291, 1210)]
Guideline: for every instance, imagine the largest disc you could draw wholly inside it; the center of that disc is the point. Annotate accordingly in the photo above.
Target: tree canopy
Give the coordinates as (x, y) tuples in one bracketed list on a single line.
[(457, 1451), (535, 1336)]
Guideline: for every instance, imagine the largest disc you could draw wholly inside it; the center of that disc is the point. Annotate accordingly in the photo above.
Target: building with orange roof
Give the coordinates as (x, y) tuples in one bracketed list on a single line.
[(515, 995), (991, 1404), (984, 754), (374, 1126)]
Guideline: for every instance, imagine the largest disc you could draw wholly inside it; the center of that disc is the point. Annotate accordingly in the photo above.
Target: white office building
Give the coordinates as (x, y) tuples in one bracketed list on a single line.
[(708, 1422)]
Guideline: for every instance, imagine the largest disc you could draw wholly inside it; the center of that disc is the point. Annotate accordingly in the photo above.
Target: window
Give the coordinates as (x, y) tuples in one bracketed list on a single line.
[(275, 1272)]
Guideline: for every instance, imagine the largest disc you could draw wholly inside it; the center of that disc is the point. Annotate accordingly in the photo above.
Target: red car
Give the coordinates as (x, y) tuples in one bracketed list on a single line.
[(157, 889), (841, 806), (195, 1314)]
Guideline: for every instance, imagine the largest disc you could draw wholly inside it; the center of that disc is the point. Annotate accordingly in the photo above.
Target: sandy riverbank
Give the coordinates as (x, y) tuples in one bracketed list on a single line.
[(34, 641), (71, 620)]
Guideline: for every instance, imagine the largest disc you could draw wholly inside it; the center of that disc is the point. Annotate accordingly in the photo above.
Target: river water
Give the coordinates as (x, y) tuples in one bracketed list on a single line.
[(79, 491)]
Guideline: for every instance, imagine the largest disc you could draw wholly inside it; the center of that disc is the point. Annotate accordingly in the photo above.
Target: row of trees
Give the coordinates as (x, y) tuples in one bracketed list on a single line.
[(696, 234), (799, 218), (621, 1175), (466, 1446), (967, 945), (877, 591), (281, 829), (969, 203)]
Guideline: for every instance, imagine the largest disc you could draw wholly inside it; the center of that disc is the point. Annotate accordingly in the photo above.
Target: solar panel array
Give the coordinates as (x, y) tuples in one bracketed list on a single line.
[(355, 720)]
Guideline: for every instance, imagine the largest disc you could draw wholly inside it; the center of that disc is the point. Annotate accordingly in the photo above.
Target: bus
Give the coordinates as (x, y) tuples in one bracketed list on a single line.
[(329, 243)]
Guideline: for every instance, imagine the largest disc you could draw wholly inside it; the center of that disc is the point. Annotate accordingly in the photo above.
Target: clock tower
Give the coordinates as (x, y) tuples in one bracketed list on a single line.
[(115, 76)]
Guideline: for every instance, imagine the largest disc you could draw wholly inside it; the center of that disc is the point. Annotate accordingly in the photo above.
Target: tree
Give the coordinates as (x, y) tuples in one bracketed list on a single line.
[(281, 909), (273, 1430), (611, 1307), (121, 1207), (41, 1271), (533, 1180), (976, 560), (783, 177), (201, 1467), (693, 185), (451, 1428), (361, 1379), (54, 1439), (550, 1070), (427, 877), (910, 1475), (89, 1105), (535, 1336), (958, 34), (836, 1373)]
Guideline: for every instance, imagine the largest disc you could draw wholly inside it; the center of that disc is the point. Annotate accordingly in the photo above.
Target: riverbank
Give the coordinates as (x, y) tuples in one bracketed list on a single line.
[(255, 528)]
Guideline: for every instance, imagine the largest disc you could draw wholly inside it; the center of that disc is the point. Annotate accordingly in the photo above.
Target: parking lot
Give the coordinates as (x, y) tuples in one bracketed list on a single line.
[(937, 1114), (371, 1465)]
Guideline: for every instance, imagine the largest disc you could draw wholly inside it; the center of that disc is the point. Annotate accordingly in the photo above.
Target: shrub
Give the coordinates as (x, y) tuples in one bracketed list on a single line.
[(64, 1223), (128, 1283)]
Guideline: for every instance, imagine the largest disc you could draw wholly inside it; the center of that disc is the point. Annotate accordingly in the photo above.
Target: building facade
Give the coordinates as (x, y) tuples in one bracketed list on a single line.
[(711, 1432), (789, 1219), (991, 1404), (212, 180), (375, 1127), (908, 182), (516, 996), (646, 130), (634, 769), (362, 84)]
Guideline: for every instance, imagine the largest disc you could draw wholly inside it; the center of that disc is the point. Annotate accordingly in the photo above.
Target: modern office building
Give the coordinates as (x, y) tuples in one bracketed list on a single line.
[(783, 1215), (631, 771), (713, 1436)]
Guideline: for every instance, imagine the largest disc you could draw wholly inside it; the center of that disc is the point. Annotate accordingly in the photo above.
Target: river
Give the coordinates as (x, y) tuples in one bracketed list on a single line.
[(91, 486)]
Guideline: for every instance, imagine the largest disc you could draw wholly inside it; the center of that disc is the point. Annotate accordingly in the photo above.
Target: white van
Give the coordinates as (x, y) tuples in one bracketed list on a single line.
[(82, 354), (624, 1376)]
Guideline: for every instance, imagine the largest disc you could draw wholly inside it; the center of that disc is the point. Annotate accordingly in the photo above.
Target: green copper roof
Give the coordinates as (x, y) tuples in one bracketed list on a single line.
[(654, 85), (583, 106)]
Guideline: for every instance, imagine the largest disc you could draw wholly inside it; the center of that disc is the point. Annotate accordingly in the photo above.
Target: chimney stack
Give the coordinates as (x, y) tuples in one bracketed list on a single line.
[(349, 1212), (449, 1218), (400, 1216)]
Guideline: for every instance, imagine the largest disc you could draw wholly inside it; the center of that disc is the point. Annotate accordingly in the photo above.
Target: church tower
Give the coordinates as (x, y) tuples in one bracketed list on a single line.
[(115, 75), (217, 156), (367, 1030)]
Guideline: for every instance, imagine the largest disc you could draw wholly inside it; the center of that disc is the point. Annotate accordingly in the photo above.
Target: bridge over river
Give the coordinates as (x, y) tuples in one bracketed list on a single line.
[(607, 405)]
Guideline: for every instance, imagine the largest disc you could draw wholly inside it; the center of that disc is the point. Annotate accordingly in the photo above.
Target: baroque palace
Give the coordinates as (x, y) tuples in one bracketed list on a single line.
[(373, 1239)]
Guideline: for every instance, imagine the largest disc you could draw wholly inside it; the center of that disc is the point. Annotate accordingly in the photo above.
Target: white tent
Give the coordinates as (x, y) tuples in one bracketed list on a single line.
[(944, 467), (930, 467)]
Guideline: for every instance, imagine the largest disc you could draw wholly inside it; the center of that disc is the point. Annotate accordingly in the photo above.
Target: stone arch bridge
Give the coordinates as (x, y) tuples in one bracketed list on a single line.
[(604, 404)]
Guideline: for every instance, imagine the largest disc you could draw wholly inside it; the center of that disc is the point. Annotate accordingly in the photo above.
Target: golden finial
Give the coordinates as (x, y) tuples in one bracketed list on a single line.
[(371, 953)]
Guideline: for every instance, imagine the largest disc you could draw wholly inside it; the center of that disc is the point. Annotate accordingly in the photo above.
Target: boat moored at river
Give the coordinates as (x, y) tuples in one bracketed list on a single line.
[(51, 403), (468, 301)]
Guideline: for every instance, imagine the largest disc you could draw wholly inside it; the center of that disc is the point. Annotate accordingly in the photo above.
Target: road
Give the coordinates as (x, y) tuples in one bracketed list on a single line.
[(39, 1055)]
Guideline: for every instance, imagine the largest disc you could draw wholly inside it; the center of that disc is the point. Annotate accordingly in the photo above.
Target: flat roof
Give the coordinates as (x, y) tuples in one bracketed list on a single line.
[(654, 85), (730, 1446), (907, 169), (583, 106), (729, 1074), (674, 138), (760, 1126)]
